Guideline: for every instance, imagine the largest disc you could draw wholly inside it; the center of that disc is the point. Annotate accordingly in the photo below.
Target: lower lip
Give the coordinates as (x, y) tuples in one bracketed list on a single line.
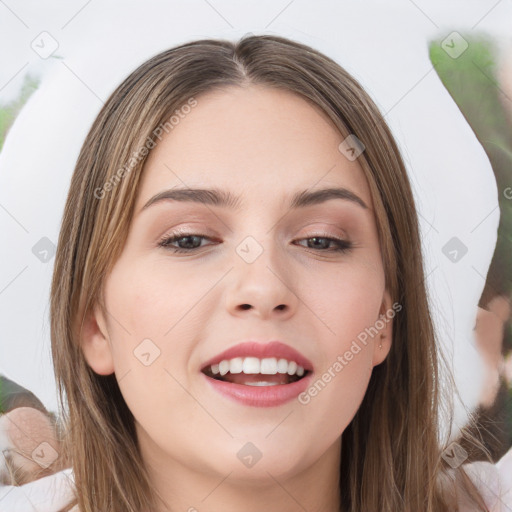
[(260, 396)]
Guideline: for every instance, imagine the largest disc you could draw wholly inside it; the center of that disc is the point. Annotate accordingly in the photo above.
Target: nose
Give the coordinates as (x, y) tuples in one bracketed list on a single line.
[(261, 288)]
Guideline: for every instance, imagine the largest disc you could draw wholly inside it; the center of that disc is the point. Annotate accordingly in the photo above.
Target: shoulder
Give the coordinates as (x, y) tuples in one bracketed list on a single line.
[(50, 492), (493, 481)]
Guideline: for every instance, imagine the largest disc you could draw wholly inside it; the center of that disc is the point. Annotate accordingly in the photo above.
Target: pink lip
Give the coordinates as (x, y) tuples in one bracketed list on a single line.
[(254, 349), (261, 396)]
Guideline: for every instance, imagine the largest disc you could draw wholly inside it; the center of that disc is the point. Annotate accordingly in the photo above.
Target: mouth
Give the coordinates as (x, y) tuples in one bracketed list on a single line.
[(252, 371), (259, 375)]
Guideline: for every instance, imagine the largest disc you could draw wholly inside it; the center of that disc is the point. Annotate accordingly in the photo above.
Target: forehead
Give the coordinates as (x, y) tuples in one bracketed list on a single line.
[(263, 143)]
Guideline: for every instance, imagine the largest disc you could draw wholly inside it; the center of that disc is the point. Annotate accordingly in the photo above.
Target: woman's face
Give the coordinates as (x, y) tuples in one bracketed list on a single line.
[(258, 269)]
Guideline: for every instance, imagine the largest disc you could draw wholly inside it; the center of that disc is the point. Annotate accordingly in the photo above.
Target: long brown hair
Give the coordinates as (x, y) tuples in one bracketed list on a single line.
[(391, 451)]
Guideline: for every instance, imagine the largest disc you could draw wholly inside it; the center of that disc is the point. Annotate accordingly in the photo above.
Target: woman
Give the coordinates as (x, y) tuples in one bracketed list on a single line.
[(239, 316)]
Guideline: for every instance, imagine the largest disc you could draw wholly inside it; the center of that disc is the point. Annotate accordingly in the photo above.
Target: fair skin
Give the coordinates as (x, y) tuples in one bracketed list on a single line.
[(262, 145)]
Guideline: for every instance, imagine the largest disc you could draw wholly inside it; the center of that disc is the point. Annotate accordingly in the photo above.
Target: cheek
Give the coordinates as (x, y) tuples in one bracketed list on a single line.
[(150, 314), (155, 312), (346, 304), (149, 300), (345, 301)]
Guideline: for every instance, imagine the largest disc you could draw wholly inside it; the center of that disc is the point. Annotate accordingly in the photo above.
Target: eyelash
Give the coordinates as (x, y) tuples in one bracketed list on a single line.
[(342, 245)]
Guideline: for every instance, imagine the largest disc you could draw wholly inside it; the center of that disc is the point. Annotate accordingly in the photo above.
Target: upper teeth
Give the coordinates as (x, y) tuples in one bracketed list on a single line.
[(267, 366)]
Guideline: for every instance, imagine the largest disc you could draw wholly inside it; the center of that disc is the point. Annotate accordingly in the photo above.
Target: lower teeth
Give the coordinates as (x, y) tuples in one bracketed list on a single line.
[(261, 384), (291, 379)]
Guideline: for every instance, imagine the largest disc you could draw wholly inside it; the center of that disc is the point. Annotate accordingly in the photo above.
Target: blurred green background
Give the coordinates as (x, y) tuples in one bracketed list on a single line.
[(9, 111)]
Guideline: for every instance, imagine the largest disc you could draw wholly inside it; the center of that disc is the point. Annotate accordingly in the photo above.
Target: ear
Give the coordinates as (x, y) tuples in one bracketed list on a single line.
[(95, 342), (384, 326)]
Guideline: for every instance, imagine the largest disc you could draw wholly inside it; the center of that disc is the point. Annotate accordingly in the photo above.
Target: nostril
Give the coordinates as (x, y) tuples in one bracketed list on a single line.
[(245, 306)]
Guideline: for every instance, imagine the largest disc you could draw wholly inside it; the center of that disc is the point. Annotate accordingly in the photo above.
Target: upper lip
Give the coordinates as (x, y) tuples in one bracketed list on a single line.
[(275, 349)]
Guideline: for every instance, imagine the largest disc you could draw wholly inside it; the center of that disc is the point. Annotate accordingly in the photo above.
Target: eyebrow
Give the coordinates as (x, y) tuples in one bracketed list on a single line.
[(221, 198)]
